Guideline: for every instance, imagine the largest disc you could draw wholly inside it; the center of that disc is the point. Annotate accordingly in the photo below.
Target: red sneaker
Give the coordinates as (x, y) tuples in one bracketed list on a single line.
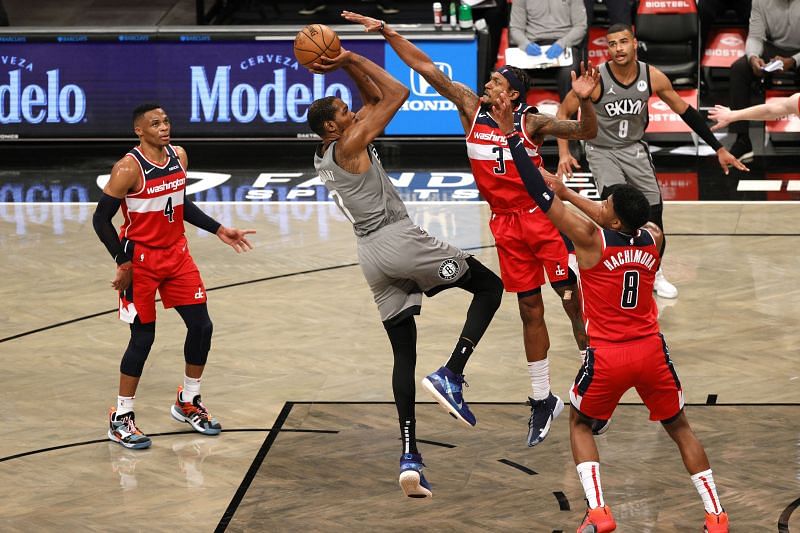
[(716, 523), (598, 520)]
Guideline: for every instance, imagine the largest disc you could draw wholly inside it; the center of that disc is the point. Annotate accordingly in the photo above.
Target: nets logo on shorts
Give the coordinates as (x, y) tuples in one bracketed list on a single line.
[(448, 269)]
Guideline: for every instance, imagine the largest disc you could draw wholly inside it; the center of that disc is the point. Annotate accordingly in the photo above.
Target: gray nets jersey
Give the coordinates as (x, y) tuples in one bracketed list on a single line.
[(622, 113), (368, 200)]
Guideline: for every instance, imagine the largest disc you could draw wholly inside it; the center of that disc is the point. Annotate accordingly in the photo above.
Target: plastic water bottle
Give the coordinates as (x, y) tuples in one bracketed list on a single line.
[(453, 16), (465, 16), (437, 15)]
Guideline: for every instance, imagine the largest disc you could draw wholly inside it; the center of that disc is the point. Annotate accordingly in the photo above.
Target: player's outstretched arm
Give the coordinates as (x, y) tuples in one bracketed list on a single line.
[(777, 108), (583, 87), (464, 98), (566, 162), (663, 87)]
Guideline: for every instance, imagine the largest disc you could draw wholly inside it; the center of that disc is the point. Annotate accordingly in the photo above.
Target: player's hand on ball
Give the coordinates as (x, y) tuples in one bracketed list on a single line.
[(325, 64), (369, 23)]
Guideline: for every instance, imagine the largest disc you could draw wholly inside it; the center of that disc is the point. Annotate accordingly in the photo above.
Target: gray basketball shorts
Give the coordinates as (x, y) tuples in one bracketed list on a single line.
[(630, 164), (401, 261)]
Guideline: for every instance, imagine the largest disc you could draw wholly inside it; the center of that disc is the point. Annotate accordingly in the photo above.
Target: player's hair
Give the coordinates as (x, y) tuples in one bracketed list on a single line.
[(630, 205), (144, 108), (319, 112), (618, 27), (526, 80)]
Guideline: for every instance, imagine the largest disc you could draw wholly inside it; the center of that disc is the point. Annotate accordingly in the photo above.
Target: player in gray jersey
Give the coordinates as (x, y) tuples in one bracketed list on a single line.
[(618, 154), (400, 261)]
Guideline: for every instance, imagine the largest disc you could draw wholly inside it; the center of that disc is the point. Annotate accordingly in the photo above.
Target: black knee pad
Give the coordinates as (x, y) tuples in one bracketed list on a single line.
[(142, 337), (199, 329)]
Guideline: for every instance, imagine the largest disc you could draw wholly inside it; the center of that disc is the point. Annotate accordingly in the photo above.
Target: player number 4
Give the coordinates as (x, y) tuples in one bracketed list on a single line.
[(169, 211)]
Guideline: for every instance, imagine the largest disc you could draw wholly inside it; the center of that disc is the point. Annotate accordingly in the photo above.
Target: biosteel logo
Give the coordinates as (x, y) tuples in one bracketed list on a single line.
[(22, 100), (219, 98)]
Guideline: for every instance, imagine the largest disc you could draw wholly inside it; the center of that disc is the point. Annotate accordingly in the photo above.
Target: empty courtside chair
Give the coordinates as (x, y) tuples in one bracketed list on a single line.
[(667, 34)]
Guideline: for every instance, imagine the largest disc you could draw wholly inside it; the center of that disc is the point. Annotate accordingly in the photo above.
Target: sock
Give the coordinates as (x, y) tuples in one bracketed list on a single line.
[(124, 404), (540, 378), (408, 432), (191, 388), (704, 483), (589, 474), (458, 359)]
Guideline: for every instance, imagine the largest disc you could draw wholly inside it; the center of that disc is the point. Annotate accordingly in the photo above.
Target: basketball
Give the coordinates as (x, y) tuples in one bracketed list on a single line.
[(313, 41)]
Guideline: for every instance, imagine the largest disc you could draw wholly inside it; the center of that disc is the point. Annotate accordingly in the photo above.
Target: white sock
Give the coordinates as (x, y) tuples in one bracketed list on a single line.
[(540, 378), (589, 474), (191, 388), (124, 404), (704, 483)]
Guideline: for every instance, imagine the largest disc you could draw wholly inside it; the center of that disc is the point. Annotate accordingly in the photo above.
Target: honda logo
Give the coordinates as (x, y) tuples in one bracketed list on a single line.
[(420, 87)]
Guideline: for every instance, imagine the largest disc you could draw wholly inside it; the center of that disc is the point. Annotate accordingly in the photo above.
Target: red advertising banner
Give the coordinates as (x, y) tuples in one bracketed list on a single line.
[(598, 46), (663, 7), (790, 124), (665, 120), (678, 185), (725, 46)]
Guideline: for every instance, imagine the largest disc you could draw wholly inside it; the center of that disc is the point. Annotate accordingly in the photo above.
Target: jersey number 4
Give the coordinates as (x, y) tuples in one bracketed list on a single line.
[(630, 289), (169, 211)]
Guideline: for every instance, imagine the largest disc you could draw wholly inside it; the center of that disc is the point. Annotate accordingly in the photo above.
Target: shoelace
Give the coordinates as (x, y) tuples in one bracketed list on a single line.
[(130, 425)]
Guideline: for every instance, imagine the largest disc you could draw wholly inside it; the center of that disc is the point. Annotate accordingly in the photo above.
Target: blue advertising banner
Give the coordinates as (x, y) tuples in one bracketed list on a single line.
[(224, 89), (426, 112), (219, 89)]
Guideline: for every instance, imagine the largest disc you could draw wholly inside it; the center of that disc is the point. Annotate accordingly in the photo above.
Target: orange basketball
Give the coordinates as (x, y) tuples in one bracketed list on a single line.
[(313, 41)]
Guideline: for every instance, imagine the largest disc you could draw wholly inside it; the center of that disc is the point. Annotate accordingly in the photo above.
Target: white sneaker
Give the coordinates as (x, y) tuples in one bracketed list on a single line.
[(664, 288)]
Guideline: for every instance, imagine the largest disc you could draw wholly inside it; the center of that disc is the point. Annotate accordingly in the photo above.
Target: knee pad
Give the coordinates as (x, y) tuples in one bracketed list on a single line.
[(198, 341), (142, 337)]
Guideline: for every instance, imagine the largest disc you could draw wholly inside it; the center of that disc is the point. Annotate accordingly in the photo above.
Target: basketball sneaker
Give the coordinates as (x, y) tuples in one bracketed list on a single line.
[(543, 412), (122, 429), (716, 523), (195, 414), (412, 480), (664, 288), (598, 520), (445, 386)]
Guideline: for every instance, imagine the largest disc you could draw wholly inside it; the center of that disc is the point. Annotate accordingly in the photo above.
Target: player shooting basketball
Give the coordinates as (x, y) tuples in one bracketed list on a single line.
[(399, 259)]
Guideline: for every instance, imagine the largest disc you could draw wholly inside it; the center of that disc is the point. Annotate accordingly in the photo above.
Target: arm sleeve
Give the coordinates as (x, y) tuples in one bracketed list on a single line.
[(107, 207), (696, 122), (531, 177), (196, 217)]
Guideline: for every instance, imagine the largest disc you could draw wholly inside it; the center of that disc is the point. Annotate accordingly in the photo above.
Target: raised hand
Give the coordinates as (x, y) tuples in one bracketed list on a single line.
[(325, 64), (503, 113), (584, 84), (722, 115), (369, 23), (565, 166)]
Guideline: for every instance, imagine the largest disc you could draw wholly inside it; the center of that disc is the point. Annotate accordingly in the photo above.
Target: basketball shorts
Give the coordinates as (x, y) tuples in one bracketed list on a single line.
[(609, 371), (400, 262), (630, 164), (171, 271), (528, 246)]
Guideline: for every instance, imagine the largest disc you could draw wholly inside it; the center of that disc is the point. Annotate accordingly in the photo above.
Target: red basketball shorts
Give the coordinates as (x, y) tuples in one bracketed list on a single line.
[(171, 271), (609, 371), (528, 245)]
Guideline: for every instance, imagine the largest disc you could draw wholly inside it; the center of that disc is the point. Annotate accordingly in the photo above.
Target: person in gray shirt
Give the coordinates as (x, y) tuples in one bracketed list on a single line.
[(774, 34), (558, 23), (400, 260)]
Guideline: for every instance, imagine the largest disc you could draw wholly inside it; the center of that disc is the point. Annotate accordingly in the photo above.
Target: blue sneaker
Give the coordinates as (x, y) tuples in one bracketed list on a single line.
[(543, 412), (412, 480), (445, 386)]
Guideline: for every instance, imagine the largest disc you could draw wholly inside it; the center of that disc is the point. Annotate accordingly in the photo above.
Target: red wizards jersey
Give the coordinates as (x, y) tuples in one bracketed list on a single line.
[(154, 213), (617, 293), (495, 174)]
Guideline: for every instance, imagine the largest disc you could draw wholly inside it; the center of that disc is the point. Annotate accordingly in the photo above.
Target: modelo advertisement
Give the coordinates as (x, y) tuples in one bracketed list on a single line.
[(218, 89)]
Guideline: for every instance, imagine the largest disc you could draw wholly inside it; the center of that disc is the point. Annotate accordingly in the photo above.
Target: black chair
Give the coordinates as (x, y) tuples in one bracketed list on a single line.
[(669, 42)]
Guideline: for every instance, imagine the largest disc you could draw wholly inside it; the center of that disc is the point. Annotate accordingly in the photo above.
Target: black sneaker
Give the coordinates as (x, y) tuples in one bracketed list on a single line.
[(387, 7), (312, 6), (543, 412), (742, 149)]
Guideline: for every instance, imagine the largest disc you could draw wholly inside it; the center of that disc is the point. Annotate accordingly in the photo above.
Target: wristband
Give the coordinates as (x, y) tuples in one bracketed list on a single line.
[(383, 26), (124, 267)]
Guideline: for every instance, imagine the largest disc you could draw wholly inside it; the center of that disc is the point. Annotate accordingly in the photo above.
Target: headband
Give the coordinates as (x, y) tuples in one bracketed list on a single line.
[(513, 80)]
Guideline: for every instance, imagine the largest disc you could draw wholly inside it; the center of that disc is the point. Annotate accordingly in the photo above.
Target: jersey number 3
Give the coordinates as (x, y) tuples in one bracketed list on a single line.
[(630, 289), (501, 162)]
